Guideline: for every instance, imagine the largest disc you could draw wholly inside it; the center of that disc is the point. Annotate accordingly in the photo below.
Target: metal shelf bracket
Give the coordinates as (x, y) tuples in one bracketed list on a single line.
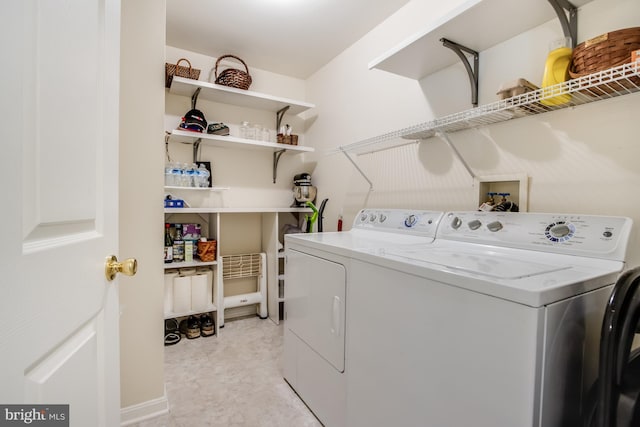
[(447, 140), (194, 98), (473, 73), (276, 159), (196, 147), (355, 165), (568, 16), (279, 116)]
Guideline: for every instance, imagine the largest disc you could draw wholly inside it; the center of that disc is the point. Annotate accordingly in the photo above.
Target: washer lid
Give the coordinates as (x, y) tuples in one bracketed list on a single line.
[(487, 264)]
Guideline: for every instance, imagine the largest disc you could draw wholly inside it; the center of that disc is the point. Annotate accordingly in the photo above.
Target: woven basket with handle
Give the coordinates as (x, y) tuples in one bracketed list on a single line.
[(207, 250), (605, 51), (176, 69), (233, 77)]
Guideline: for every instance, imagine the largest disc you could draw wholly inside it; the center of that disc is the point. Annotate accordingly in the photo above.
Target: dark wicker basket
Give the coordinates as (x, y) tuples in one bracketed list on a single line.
[(176, 69), (605, 51), (233, 77)]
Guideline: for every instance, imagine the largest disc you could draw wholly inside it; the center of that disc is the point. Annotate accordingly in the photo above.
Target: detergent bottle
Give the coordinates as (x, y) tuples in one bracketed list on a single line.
[(556, 71)]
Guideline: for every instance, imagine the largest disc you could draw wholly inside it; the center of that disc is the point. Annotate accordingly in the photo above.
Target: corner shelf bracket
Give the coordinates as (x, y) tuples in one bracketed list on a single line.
[(355, 165), (276, 158), (568, 16), (279, 116), (473, 73)]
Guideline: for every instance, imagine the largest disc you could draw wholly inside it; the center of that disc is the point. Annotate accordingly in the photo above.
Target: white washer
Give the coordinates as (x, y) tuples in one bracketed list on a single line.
[(495, 323), (317, 279)]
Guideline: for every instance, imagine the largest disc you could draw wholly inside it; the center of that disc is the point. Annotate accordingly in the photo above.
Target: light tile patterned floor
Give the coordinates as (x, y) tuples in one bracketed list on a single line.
[(234, 380)]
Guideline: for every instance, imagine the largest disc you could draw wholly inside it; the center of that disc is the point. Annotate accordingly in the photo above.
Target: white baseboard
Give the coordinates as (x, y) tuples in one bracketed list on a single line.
[(144, 411)]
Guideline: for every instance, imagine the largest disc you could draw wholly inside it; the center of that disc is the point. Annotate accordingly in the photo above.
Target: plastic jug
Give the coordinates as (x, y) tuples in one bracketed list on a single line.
[(556, 71)]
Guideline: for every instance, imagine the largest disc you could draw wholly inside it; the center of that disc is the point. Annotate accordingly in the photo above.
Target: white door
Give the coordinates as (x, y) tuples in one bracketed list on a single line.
[(59, 136)]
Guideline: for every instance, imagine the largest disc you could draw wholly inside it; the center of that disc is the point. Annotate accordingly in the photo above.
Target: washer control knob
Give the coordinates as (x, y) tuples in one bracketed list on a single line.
[(456, 223), (372, 217), (607, 234), (494, 226), (560, 230), (475, 224), (410, 221), (383, 217), (363, 217)]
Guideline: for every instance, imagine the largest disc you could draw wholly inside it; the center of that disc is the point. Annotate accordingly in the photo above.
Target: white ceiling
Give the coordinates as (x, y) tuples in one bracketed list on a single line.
[(290, 37)]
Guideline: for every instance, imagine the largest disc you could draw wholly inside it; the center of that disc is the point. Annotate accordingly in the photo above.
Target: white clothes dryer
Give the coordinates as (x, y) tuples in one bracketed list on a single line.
[(317, 281)]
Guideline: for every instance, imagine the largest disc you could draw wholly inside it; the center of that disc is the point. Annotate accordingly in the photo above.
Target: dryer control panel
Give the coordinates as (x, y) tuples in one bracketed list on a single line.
[(587, 235), (418, 222)]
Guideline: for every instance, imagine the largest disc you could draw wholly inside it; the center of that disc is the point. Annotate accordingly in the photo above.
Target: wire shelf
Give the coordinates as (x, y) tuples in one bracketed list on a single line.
[(610, 83)]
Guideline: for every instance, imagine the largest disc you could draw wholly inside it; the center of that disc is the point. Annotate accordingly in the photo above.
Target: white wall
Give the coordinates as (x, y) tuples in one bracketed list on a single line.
[(579, 160), (141, 218)]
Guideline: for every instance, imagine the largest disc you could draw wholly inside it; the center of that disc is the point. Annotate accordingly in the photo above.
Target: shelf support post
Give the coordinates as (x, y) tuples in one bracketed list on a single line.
[(279, 116), (569, 24), (276, 159), (196, 146), (473, 73), (194, 98), (445, 138), (355, 165)]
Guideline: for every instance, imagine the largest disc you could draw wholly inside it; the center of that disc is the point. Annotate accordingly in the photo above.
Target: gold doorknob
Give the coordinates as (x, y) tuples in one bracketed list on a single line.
[(113, 267)]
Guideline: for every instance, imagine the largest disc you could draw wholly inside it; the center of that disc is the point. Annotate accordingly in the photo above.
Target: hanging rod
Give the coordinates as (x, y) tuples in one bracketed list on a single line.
[(569, 24), (473, 73)]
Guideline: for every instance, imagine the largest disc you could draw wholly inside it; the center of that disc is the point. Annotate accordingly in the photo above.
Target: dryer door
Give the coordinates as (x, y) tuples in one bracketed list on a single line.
[(315, 291)]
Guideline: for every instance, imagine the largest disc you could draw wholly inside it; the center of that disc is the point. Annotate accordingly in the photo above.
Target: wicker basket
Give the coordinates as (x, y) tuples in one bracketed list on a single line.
[(287, 139), (176, 69), (233, 77), (605, 51), (207, 251)]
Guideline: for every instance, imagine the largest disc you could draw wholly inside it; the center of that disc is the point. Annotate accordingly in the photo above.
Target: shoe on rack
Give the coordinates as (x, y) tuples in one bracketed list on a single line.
[(190, 327), (171, 332), (207, 326)]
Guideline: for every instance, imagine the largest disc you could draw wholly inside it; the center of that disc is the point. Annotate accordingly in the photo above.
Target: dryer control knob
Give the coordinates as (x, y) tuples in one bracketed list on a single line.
[(383, 217), (475, 224), (456, 223), (494, 226), (372, 217), (363, 217), (410, 221)]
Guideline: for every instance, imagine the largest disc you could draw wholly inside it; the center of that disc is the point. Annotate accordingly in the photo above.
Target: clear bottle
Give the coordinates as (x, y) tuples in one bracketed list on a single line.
[(168, 176), (168, 244), (192, 175), (176, 175), (203, 176), (244, 130), (178, 245)]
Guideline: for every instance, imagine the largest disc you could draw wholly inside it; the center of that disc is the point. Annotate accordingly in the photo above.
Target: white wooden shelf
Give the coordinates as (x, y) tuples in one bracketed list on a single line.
[(171, 314), (606, 84), (234, 210), (171, 265), (214, 188), (235, 142), (494, 21), (239, 97)]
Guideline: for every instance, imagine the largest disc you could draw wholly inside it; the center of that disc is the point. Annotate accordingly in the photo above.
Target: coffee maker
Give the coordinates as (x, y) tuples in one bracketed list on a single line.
[(303, 191)]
